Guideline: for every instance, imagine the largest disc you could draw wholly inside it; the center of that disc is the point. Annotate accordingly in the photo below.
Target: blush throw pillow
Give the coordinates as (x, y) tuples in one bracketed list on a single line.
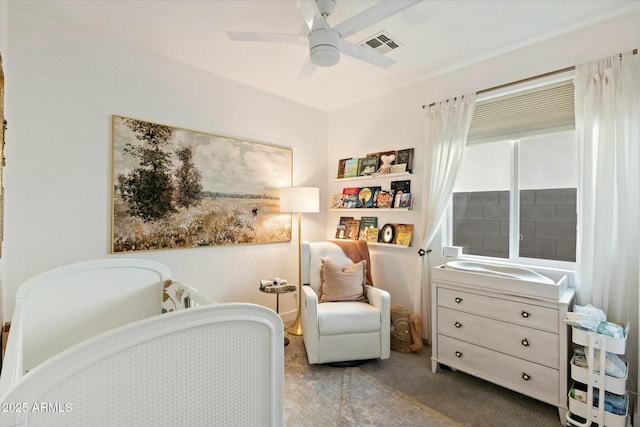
[(342, 283)]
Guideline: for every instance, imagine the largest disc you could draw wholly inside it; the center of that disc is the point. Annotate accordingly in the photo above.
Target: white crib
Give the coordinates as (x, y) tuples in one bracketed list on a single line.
[(88, 345)]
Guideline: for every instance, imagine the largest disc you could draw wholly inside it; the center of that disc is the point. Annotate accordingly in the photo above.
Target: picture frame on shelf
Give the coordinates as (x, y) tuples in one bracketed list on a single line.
[(387, 234)]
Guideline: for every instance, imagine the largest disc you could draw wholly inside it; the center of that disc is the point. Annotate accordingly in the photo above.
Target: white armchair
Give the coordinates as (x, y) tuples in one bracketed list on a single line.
[(341, 331)]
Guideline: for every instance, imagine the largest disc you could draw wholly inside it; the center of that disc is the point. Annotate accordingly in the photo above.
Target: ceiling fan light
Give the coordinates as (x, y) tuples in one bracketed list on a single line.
[(325, 55), (323, 47)]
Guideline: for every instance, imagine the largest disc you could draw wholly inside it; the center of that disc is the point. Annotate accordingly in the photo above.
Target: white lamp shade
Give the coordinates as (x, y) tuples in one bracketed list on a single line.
[(299, 199)]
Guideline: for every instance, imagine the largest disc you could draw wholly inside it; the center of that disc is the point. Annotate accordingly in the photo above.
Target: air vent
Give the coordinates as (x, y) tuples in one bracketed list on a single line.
[(381, 43)]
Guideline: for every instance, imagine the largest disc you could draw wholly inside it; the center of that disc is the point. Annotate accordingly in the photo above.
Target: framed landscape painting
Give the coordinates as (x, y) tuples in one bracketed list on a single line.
[(177, 188)]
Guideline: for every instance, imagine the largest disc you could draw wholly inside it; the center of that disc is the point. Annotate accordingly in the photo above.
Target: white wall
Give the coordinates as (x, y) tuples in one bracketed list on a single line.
[(397, 120), (63, 85)]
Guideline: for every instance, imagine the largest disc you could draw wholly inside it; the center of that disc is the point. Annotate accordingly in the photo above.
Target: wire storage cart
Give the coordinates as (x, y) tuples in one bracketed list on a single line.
[(595, 396)]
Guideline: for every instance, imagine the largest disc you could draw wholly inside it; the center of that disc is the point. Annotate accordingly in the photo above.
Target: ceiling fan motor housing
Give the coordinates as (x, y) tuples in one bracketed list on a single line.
[(326, 7), (323, 47)]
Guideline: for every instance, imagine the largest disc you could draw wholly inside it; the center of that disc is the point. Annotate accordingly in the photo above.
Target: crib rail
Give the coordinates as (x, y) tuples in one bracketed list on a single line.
[(220, 364)]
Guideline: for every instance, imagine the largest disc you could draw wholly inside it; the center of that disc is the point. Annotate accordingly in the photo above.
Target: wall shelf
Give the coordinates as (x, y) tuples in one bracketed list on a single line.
[(378, 176), (371, 209), (391, 245)]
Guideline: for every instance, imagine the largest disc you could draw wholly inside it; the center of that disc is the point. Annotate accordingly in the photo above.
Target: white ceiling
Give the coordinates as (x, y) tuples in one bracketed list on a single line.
[(438, 36)]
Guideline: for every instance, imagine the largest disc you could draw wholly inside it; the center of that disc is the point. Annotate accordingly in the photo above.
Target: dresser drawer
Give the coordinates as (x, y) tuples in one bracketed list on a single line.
[(534, 316), (530, 344), (529, 378)]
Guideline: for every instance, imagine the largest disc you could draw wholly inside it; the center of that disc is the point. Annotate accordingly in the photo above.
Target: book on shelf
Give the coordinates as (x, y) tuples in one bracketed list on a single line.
[(352, 229), (367, 222), (383, 199), (350, 197), (404, 234), (351, 168), (372, 234), (404, 200), (341, 167), (366, 197), (344, 219), (337, 201), (379, 154), (405, 157), (367, 166), (399, 168), (341, 228), (402, 185)]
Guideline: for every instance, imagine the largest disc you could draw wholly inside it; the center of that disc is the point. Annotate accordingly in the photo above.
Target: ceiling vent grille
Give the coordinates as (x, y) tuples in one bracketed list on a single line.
[(381, 43)]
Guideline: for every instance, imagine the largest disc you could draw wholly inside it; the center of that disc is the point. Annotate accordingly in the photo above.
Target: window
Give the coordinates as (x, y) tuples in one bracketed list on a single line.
[(516, 190)]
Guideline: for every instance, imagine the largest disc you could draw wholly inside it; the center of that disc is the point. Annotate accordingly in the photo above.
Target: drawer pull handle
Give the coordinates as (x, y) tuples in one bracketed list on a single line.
[(525, 342), (458, 300), (458, 325), (458, 354), (525, 376), (525, 314)]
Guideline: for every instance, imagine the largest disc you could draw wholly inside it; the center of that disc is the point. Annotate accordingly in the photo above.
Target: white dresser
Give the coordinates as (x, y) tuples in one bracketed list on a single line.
[(487, 328)]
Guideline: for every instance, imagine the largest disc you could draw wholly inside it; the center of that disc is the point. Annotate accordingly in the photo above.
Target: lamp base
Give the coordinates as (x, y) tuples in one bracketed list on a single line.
[(296, 326)]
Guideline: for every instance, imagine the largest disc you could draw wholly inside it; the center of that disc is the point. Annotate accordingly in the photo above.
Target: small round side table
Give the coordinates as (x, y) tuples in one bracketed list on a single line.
[(282, 289)]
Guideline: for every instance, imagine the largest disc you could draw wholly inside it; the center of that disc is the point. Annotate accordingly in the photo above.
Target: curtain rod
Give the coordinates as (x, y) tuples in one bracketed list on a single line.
[(539, 76)]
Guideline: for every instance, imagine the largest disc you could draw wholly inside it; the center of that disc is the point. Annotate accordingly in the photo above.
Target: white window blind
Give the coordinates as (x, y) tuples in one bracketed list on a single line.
[(543, 109)]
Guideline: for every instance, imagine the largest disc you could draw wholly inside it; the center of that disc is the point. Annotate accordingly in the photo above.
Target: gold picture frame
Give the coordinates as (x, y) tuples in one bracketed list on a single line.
[(176, 188)]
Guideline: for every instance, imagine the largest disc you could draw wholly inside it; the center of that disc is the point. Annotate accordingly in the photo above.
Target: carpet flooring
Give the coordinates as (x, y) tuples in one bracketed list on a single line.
[(400, 391), (320, 395)]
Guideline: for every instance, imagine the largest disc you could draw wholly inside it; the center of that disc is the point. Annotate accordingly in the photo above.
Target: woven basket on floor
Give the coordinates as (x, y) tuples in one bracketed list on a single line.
[(401, 329), (401, 341)]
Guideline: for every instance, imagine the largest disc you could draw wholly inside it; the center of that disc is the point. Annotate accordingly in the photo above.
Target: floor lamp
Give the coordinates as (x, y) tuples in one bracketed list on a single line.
[(299, 200)]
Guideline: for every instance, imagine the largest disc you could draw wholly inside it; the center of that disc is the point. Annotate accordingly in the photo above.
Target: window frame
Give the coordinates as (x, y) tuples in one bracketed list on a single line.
[(514, 220)]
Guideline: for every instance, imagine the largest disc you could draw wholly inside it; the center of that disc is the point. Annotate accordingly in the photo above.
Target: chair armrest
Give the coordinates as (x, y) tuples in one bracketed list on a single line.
[(381, 299), (309, 309), (309, 320)]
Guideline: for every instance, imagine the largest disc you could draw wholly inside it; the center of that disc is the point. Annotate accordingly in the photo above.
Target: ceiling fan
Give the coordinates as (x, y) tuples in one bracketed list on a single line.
[(327, 43)]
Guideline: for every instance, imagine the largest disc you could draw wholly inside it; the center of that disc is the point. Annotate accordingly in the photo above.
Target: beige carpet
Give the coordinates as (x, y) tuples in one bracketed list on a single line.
[(401, 391), (319, 395)]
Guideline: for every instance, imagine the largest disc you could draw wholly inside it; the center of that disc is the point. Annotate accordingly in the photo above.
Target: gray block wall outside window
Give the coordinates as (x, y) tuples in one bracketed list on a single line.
[(547, 223)]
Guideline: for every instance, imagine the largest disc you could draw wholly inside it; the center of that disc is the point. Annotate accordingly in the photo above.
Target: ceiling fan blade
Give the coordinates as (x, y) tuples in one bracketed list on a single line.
[(265, 37), (365, 54), (307, 70), (311, 15), (372, 15)]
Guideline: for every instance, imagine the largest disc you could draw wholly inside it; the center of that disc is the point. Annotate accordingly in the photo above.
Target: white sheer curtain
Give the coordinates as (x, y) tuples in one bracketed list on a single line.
[(448, 124), (608, 127)]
